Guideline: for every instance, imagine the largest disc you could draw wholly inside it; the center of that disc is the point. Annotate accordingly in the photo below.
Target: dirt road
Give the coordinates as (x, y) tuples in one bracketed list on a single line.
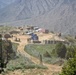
[(51, 68)]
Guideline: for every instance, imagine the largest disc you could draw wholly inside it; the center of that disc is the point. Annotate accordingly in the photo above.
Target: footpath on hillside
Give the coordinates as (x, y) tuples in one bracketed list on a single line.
[(20, 49)]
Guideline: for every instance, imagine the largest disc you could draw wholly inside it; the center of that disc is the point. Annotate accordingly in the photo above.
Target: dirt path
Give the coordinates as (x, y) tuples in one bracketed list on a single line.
[(21, 46), (51, 68)]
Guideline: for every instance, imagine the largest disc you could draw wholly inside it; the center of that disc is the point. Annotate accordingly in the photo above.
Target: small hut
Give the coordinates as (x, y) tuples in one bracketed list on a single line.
[(44, 30), (34, 37)]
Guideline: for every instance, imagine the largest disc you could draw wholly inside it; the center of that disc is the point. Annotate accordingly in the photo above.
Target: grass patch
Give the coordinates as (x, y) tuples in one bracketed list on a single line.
[(15, 46), (71, 39), (23, 63), (36, 49)]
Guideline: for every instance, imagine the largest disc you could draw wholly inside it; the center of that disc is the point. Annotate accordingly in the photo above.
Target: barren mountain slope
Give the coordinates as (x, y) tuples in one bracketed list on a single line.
[(56, 15)]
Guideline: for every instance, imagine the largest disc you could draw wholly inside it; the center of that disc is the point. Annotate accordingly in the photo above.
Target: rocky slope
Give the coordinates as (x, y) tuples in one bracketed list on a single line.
[(56, 15)]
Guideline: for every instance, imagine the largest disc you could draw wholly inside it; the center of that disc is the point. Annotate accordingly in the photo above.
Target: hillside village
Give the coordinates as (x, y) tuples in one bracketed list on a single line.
[(37, 37), (34, 48), (33, 35)]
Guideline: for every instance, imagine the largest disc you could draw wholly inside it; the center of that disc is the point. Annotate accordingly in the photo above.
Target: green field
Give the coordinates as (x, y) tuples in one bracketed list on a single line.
[(45, 50), (23, 63), (36, 49)]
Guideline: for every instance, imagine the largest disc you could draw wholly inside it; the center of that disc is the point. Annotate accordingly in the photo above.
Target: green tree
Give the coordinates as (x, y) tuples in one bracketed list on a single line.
[(70, 67), (61, 50), (71, 51), (54, 53)]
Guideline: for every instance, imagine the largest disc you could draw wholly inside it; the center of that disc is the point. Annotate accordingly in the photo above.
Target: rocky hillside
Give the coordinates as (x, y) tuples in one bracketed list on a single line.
[(56, 15), (26, 9)]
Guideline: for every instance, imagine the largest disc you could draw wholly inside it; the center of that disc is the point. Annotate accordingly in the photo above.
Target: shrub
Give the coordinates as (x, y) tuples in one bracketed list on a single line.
[(71, 39), (71, 51), (23, 63), (54, 53), (69, 68), (46, 54), (61, 50)]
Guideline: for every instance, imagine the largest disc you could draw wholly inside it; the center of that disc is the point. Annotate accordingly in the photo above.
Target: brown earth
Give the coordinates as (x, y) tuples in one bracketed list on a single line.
[(51, 68)]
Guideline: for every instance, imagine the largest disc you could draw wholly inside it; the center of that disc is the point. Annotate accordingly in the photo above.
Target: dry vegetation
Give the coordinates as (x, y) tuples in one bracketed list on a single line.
[(19, 66)]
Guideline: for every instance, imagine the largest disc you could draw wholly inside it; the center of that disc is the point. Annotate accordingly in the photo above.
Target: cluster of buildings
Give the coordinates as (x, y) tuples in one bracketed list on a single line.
[(32, 31)]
